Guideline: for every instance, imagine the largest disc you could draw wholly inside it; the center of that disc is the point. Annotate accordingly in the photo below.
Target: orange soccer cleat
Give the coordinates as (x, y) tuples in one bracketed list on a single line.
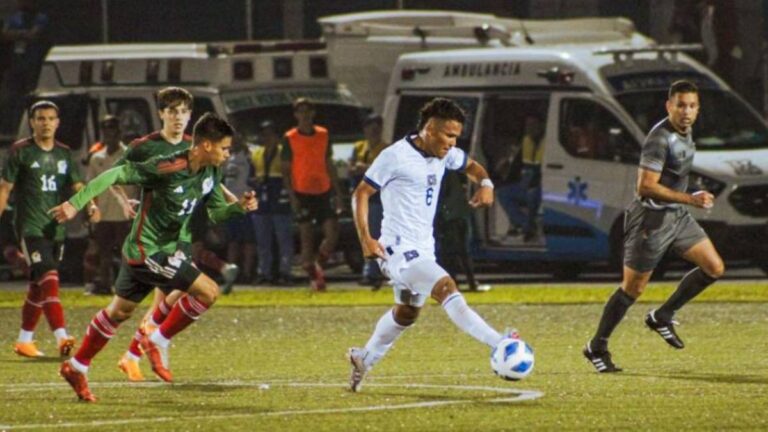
[(66, 345), (27, 349), (78, 381), (131, 368), (155, 359)]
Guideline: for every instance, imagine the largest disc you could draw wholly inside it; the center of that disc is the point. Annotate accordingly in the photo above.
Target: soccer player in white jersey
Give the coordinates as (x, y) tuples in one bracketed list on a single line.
[(408, 175)]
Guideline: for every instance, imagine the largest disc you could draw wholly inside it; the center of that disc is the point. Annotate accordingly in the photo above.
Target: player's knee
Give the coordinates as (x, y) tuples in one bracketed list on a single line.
[(443, 288), (634, 290), (406, 315), (205, 290), (715, 269), (119, 314)]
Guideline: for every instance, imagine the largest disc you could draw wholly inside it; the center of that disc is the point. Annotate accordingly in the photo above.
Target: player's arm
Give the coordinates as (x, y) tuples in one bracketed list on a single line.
[(483, 196), (94, 214), (219, 209), (371, 247), (5, 192), (648, 186)]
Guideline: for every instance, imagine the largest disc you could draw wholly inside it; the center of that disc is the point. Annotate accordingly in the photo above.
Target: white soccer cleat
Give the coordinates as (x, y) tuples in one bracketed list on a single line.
[(356, 356)]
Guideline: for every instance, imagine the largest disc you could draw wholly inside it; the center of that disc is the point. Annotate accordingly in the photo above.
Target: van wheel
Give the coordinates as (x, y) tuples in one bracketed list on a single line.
[(568, 271)]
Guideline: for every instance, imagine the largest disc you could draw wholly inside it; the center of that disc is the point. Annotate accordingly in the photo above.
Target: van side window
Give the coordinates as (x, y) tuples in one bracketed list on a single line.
[(590, 131), (134, 115), (408, 116)]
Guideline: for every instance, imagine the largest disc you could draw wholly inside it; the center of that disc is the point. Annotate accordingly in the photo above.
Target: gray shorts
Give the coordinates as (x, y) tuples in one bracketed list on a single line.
[(648, 234)]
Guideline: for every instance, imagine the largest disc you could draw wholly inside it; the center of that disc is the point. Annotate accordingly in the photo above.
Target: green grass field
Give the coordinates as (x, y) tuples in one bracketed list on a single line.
[(274, 360)]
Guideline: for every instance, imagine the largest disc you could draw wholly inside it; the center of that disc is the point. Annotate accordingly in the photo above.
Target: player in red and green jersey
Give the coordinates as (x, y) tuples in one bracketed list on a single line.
[(175, 106), (42, 171), (174, 186)]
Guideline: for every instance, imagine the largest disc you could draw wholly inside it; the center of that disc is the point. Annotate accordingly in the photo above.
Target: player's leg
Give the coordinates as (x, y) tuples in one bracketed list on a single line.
[(25, 345), (692, 243), (155, 315), (100, 330), (44, 256), (447, 294), (202, 293)]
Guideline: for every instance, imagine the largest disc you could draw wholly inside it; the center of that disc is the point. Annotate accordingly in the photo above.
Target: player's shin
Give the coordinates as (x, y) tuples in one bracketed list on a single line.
[(469, 321), (384, 336)]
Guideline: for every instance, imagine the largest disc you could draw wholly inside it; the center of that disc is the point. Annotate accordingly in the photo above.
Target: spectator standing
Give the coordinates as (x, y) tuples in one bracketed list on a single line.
[(364, 153), (115, 224), (273, 219), (240, 234), (310, 177)]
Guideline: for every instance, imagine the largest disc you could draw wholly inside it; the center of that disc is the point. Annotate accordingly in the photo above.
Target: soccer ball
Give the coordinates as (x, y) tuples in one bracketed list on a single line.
[(512, 359)]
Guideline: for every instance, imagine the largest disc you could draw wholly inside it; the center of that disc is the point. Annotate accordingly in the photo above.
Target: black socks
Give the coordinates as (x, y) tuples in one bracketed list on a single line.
[(693, 283), (614, 311)]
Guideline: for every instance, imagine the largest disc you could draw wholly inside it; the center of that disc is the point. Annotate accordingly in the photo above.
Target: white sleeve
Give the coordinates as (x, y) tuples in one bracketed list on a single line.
[(456, 159), (382, 170)]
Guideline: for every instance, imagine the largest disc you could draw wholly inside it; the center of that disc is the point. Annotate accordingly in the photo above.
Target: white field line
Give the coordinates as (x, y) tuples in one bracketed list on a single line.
[(511, 395)]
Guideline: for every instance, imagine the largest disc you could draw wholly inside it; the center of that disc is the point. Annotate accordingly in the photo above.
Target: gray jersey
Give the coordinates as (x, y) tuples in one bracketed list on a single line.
[(667, 152)]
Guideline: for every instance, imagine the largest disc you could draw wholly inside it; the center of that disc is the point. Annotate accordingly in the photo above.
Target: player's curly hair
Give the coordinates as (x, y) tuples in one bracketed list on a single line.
[(441, 108), (210, 127), (682, 86), (170, 97)]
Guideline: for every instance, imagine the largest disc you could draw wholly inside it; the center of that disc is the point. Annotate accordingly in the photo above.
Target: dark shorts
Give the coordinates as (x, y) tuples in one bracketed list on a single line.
[(648, 234), (167, 272), (315, 208), (42, 255)]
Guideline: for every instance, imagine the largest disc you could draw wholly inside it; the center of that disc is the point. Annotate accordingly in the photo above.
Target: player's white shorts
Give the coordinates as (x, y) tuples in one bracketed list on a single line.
[(413, 271)]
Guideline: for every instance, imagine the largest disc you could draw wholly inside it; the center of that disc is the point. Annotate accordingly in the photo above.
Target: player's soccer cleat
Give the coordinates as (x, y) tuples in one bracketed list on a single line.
[(131, 368), (152, 352), (601, 360), (229, 273), (665, 329), (317, 278), (78, 381), (27, 349), (355, 357), (66, 345)]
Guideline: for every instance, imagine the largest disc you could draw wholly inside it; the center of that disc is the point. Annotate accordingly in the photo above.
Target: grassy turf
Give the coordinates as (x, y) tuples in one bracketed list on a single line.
[(222, 364)]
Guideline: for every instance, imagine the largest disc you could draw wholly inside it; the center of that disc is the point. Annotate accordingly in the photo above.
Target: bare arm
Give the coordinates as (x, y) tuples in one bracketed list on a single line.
[(288, 184), (483, 196), (334, 176), (371, 247), (5, 192), (648, 186)]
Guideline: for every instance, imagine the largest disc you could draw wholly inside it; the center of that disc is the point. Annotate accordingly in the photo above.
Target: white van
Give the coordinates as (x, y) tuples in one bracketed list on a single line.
[(246, 82), (597, 101)]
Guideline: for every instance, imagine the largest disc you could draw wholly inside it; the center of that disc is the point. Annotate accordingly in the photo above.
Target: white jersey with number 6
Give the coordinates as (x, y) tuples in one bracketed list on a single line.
[(409, 182)]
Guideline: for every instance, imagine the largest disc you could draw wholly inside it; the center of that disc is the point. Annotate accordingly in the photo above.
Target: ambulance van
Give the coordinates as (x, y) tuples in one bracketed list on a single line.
[(595, 102)]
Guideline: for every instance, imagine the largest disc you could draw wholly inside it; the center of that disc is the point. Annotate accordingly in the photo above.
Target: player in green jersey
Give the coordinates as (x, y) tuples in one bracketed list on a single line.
[(175, 106), (174, 186), (42, 171)]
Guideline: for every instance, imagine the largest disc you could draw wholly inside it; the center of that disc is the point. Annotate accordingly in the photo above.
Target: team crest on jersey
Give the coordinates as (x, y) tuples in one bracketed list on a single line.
[(62, 166), (36, 258), (35, 165), (431, 179), (207, 185)]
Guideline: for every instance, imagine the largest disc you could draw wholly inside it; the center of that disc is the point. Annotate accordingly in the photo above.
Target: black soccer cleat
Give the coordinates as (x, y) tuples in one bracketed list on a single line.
[(601, 360), (665, 329)]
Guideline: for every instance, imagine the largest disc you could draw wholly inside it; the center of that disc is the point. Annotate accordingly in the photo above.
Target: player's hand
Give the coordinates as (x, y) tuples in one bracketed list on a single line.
[(63, 212), (703, 199), (129, 208), (373, 249), (483, 197), (249, 202), (94, 214)]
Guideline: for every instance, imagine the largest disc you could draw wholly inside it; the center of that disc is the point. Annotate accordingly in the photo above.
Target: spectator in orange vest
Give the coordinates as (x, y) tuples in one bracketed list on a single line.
[(311, 180)]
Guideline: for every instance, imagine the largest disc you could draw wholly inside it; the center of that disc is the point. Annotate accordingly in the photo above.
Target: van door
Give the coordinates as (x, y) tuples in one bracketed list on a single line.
[(511, 148), (589, 164)]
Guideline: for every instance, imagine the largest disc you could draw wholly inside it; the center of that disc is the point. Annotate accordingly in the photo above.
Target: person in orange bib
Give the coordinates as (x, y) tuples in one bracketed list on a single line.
[(311, 180)]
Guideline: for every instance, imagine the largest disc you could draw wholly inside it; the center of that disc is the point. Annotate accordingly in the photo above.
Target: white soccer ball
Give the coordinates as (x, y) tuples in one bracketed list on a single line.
[(512, 359)]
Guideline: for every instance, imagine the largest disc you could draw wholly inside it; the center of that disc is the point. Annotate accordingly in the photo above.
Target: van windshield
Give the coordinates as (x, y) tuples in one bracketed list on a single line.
[(725, 122)]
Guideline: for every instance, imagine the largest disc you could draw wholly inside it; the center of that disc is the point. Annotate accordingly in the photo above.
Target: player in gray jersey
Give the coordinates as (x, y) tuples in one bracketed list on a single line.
[(658, 220)]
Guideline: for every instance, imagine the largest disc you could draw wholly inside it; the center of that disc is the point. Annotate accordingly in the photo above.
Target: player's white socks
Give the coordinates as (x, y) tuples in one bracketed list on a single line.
[(26, 336), (384, 336), (60, 333), (469, 321)]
